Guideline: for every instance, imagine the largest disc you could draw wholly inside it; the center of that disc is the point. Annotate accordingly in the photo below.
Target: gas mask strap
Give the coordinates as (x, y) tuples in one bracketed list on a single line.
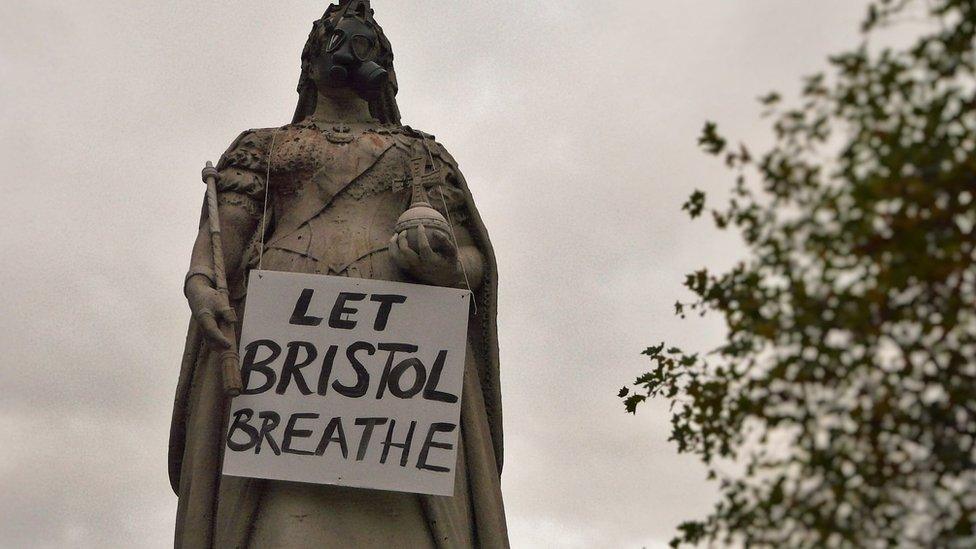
[(264, 209)]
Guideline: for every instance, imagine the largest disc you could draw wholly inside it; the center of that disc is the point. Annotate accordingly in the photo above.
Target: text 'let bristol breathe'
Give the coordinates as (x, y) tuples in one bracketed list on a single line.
[(339, 383)]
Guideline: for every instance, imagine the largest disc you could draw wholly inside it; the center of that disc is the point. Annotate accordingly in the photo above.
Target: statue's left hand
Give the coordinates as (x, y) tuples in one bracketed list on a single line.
[(435, 259)]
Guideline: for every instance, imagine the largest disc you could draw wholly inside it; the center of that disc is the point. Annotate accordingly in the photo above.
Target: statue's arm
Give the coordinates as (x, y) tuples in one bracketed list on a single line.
[(240, 193), (237, 226), (451, 200), (436, 259), (470, 259), (439, 258)]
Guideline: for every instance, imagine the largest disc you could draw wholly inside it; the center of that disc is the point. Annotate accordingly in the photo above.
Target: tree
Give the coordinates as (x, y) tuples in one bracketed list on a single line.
[(840, 409)]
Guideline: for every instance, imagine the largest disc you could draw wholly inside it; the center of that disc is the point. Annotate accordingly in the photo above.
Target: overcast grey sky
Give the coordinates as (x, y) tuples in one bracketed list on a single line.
[(575, 123)]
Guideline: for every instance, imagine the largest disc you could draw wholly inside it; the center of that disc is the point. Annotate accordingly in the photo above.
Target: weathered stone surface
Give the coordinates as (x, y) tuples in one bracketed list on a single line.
[(323, 195)]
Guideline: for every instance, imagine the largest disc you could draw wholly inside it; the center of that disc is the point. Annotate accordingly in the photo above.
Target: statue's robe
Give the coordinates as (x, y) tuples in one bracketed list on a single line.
[(333, 199)]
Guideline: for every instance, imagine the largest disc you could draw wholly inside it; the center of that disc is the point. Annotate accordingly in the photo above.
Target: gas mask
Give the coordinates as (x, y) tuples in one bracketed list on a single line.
[(349, 57)]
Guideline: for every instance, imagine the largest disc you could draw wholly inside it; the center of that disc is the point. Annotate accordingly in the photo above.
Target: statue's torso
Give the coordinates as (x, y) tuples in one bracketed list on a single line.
[(333, 200), (335, 197)]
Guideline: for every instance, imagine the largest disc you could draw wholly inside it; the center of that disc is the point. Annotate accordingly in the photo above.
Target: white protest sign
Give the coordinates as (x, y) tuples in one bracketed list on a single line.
[(349, 382)]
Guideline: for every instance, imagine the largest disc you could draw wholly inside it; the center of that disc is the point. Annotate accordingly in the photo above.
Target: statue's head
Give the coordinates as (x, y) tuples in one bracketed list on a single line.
[(347, 49)]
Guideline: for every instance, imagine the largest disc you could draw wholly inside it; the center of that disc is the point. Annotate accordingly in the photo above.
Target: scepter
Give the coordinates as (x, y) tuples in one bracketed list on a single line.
[(228, 360)]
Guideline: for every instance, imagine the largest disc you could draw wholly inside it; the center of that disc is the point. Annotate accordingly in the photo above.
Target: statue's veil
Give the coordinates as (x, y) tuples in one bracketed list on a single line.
[(382, 103)]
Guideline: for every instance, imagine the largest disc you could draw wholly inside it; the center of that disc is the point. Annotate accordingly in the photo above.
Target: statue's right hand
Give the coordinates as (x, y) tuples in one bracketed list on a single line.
[(209, 307)]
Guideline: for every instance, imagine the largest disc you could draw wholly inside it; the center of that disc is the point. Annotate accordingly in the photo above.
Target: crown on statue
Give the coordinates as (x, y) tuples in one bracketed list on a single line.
[(354, 8)]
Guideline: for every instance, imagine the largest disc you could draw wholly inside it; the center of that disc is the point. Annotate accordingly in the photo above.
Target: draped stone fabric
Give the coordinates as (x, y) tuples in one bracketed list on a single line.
[(332, 201)]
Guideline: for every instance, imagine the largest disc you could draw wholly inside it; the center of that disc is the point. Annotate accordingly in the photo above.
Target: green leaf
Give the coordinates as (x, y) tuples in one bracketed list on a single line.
[(632, 401), (770, 98), (695, 204), (710, 140)]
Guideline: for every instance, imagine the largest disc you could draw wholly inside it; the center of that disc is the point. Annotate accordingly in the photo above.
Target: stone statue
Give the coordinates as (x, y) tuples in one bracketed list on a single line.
[(323, 195)]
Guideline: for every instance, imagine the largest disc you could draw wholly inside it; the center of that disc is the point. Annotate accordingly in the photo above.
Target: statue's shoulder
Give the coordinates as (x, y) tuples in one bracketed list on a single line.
[(250, 150), (418, 138), (416, 134)]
